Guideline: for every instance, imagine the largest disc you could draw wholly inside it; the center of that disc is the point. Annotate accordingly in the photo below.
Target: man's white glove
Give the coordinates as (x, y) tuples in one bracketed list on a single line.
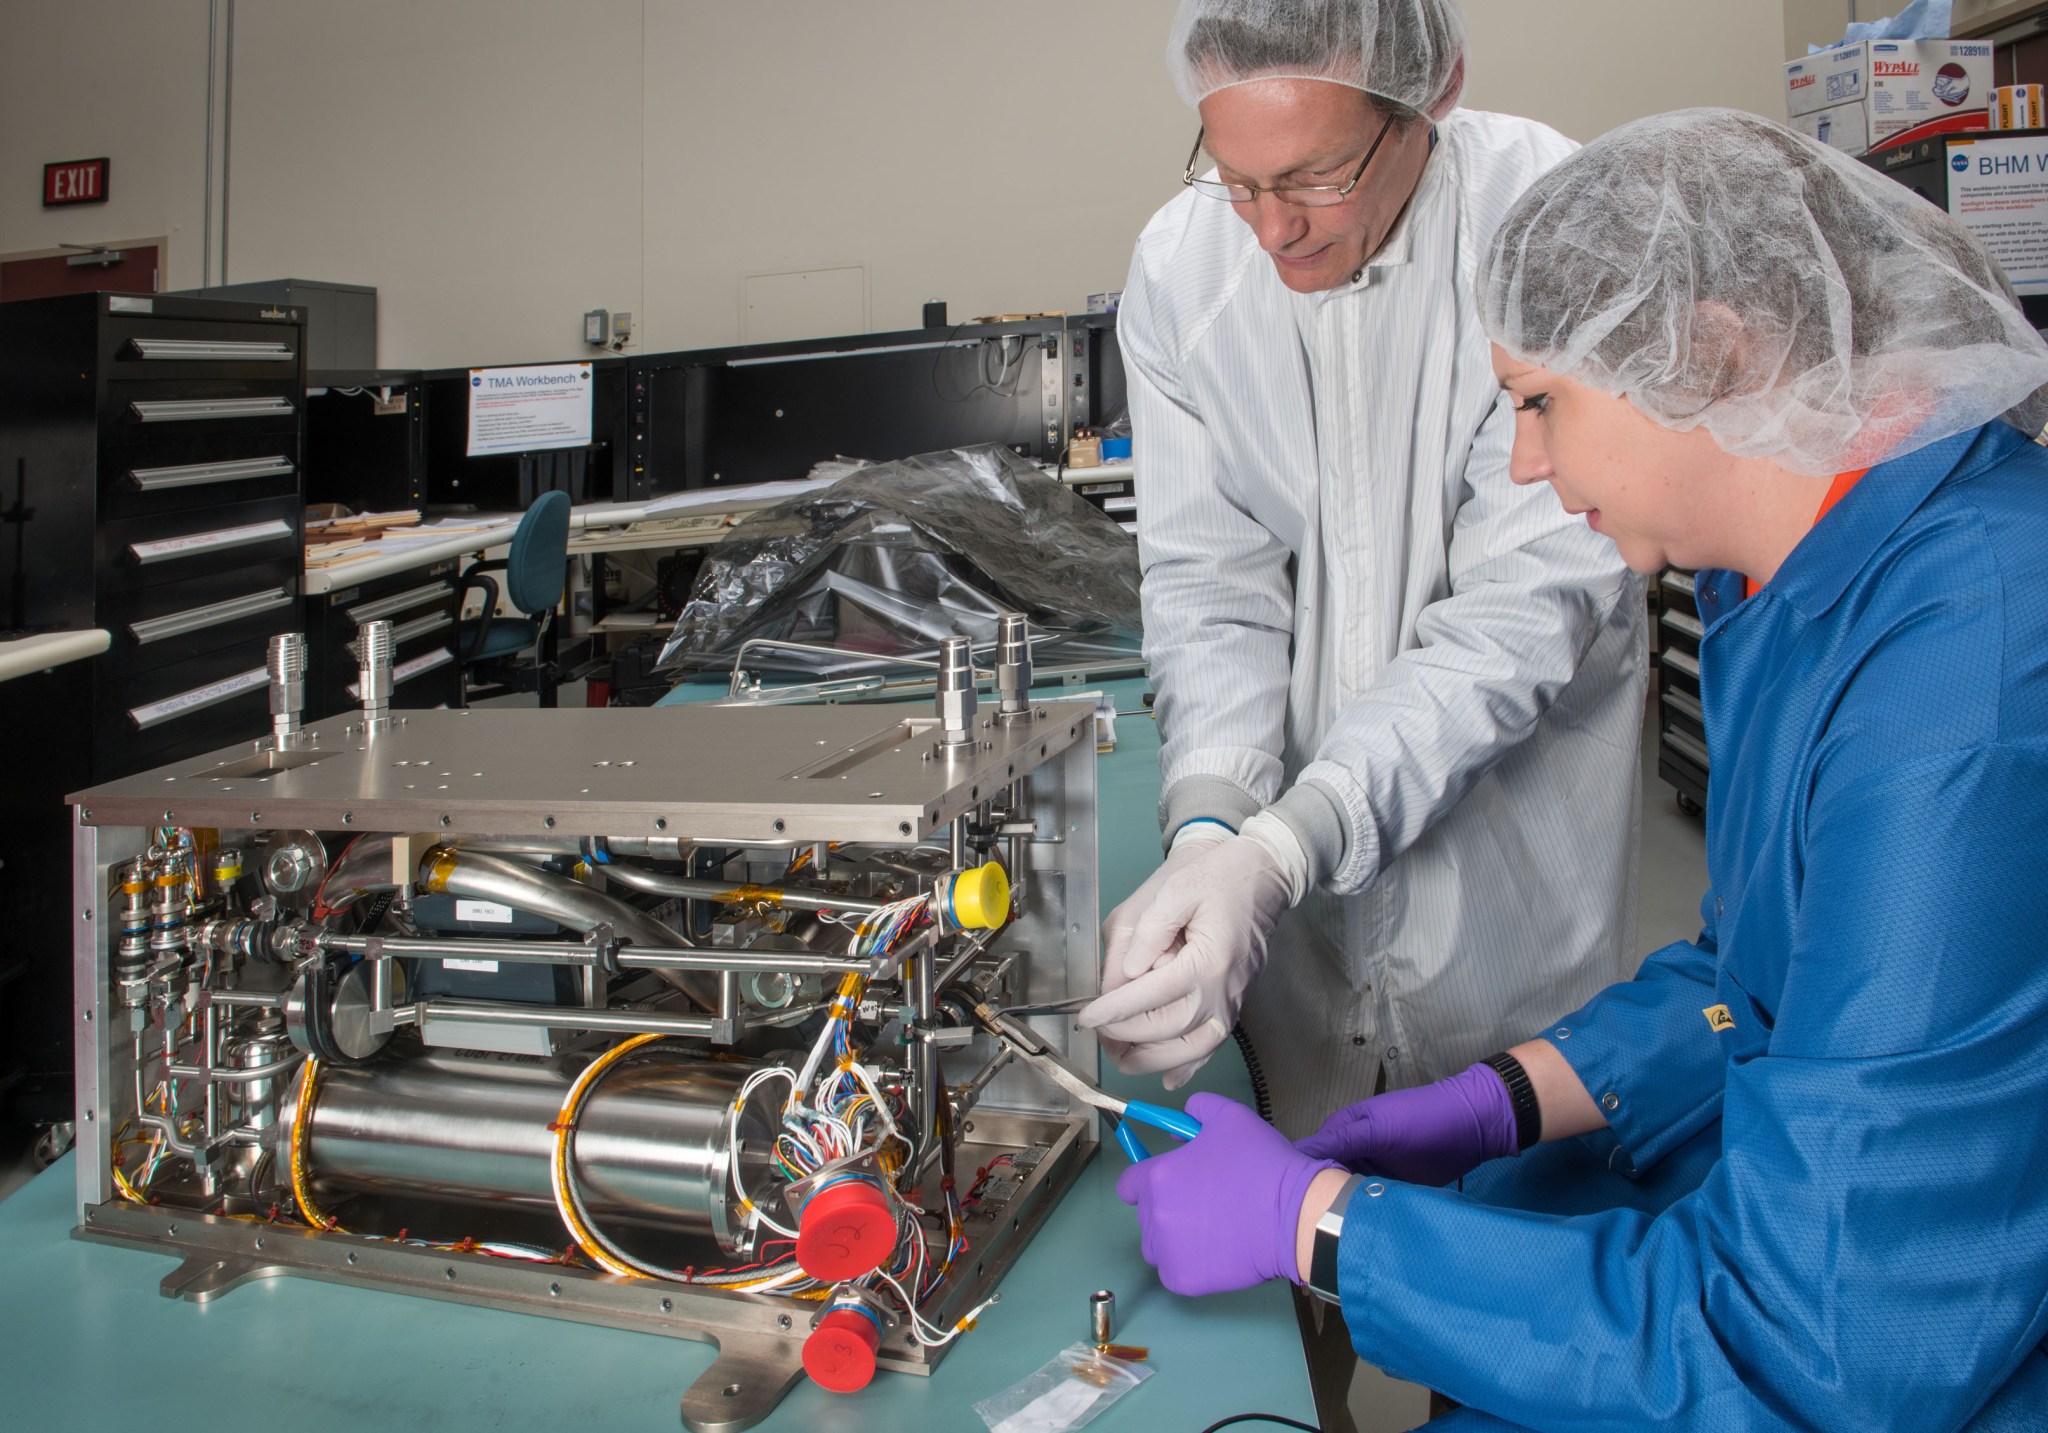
[(1180, 953)]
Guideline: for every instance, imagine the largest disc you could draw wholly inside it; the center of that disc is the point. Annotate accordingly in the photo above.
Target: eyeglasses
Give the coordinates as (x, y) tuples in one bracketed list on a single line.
[(1305, 196)]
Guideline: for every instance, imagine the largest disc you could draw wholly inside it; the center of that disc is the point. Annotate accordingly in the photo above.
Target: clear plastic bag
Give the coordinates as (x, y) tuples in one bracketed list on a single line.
[(1068, 1392), (894, 557)]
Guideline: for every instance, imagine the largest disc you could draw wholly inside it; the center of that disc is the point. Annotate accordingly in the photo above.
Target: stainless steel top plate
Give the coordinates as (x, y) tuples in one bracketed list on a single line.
[(720, 774)]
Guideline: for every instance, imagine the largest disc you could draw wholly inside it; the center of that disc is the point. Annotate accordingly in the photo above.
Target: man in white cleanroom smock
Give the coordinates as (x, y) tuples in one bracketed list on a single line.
[(1398, 696)]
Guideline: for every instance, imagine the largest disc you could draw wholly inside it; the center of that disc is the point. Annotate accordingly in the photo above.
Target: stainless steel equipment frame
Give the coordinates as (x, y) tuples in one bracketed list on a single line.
[(888, 784)]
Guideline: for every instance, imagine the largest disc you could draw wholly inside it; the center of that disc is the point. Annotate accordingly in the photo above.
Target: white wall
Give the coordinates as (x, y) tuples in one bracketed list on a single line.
[(495, 167), (126, 80)]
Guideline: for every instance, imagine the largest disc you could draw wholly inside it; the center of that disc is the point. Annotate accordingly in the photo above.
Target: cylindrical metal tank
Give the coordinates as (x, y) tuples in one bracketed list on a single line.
[(651, 1145)]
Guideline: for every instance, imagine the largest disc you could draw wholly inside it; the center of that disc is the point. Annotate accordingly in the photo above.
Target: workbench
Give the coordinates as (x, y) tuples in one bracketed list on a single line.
[(90, 1344)]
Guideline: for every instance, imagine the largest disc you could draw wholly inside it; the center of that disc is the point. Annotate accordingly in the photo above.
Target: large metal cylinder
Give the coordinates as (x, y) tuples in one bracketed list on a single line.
[(651, 1148)]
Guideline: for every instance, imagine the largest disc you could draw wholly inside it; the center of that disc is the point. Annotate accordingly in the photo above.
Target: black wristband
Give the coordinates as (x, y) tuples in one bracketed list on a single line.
[(1522, 1094)]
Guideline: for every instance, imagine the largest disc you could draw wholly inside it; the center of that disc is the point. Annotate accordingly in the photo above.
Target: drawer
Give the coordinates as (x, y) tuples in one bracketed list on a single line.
[(144, 412), (146, 718), (174, 622), (1685, 705), (411, 632), (1681, 661), (1677, 584), (409, 678), (207, 348), (1683, 622), (1690, 747), (122, 749), (137, 480), (146, 552), (395, 605)]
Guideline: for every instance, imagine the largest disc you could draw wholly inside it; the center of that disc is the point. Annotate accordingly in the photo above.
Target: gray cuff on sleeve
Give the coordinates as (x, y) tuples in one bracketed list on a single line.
[(1313, 813), (1193, 797)]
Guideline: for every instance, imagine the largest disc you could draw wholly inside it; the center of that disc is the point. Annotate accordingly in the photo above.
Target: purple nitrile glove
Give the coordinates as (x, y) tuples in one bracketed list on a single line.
[(1222, 1211), (1429, 1135)]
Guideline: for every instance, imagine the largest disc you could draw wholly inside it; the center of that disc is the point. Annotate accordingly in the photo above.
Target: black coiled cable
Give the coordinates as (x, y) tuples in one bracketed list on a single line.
[(1262, 1099)]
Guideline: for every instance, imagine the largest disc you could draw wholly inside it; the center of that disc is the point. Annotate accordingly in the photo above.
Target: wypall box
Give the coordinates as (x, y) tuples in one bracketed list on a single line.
[(1898, 83)]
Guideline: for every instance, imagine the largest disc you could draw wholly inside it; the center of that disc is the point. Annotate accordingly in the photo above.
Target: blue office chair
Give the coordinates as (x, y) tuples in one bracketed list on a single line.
[(511, 654)]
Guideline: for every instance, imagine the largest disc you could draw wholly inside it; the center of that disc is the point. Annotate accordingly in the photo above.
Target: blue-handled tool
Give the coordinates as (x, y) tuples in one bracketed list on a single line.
[(1027, 1044)]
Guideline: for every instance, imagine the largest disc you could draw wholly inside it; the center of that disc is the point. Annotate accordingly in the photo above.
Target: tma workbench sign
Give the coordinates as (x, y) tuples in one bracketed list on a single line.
[(76, 181)]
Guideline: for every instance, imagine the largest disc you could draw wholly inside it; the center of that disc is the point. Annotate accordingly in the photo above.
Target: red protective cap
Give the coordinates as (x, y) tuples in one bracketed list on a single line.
[(845, 1231), (840, 1353)]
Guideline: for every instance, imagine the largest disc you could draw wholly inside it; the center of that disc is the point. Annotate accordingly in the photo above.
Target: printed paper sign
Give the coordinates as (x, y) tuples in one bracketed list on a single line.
[(1999, 188), (520, 410)]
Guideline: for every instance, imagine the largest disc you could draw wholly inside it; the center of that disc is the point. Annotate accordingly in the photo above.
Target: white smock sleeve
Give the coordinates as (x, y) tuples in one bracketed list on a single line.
[(1219, 597)]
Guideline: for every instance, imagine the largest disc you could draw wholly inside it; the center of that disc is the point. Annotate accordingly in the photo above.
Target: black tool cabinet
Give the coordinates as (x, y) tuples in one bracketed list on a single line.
[(1681, 722), (149, 485), (151, 448)]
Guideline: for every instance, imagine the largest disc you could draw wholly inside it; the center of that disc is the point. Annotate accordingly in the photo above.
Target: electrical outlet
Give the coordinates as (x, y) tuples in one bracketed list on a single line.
[(622, 326)]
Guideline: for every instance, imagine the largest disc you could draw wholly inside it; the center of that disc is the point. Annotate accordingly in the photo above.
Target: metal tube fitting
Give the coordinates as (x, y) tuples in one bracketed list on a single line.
[(287, 663), (373, 649), (1013, 664), (1101, 1317), (955, 698)]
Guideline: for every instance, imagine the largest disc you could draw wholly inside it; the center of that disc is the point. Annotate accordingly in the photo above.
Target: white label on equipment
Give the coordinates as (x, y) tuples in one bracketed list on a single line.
[(489, 911), (1999, 189), (488, 967), (152, 714), (518, 410)]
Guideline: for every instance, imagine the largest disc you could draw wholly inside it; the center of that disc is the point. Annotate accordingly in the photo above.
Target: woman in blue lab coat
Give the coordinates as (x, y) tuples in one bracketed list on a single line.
[(1795, 1173)]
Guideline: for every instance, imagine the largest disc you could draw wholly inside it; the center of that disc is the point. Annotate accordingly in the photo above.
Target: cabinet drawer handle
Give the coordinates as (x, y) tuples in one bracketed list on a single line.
[(1686, 747), (409, 631), (244, 350), (407, 670), (164, 549), (195, 619), (1681, 661), (192, 475), (198, 699), (189, 410), (1684, 622), (398, 601), (1686, 706)]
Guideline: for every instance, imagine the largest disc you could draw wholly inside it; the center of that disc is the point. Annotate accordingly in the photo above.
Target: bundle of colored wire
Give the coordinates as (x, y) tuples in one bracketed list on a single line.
[(302, 1183)]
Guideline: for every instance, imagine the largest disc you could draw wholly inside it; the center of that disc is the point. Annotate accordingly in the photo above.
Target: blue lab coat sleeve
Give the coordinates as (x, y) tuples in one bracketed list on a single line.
[(1871, 1250), (1644, 1050)]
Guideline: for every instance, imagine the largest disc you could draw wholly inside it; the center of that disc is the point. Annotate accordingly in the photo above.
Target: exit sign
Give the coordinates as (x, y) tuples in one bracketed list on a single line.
[(77, 181)]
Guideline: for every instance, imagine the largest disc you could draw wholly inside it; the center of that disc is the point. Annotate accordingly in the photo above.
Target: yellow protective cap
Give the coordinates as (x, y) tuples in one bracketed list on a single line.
[(981, 898)]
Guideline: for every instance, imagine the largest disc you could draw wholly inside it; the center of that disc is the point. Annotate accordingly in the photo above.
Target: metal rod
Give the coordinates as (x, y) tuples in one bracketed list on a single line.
[(624, 1022), (556, 952), (975, 945), (227, 139), (966, 1096), (695, 889), (248, 999), (212, 75), (209, 1035), (216, 1076)]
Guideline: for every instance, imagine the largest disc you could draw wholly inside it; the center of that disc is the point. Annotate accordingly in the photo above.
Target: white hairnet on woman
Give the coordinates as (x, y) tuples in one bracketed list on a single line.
[(1411, 52), (1721, 271)]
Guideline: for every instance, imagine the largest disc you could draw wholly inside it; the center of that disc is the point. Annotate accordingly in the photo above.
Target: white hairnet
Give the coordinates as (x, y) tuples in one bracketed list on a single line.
[(1721, 271), (1411, 52)]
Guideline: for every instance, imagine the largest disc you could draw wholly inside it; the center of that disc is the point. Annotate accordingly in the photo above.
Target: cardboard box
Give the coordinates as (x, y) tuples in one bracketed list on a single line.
[(1899, 83), (1846, 127)]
